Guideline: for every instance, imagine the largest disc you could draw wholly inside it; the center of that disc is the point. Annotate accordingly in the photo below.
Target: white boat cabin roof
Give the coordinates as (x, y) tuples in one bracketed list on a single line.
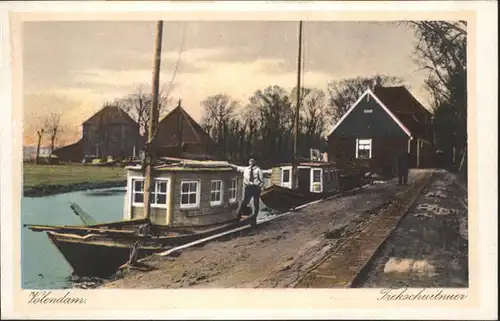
[(190, 166), (309, 164)]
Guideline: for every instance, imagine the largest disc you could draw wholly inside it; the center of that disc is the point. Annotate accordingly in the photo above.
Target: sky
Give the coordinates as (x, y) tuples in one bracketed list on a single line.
[(75, 67)]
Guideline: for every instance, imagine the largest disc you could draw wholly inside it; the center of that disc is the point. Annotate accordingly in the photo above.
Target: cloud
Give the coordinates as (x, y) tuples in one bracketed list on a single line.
[(128, 80), (77, 66), (61, 49), (240, 80), (342, 49), (339, 48)]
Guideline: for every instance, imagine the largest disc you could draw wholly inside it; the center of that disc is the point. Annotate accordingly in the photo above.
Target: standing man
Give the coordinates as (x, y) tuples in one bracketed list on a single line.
[(403, 168), (253, 181)]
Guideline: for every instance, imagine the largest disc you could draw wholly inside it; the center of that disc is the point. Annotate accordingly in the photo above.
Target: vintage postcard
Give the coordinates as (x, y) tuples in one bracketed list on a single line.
[(249, 160)]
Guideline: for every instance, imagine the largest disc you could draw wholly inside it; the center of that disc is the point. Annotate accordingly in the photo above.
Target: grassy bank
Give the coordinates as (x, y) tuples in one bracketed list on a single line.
[(43, 175)]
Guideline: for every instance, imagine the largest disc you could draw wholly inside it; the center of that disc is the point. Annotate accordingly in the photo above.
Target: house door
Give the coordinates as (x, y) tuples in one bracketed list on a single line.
[(304, 179)]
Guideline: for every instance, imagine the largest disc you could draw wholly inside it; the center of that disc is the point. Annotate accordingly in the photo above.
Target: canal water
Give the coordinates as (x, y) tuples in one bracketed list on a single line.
[(42, 266)]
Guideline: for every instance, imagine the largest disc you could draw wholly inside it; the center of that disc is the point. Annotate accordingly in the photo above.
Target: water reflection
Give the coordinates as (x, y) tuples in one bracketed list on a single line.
[(109, 192)]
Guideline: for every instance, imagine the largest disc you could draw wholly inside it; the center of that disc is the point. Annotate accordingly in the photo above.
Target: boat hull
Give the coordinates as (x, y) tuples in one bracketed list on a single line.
[(93, 259), (284, 199), (101, 255)]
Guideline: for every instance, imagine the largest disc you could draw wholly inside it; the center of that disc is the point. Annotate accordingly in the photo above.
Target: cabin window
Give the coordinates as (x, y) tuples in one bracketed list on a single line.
[(190, 194), (158, 192), (286, 176), (363, 148), (138, 190), (316, 175), (215, 192), (233, 190)]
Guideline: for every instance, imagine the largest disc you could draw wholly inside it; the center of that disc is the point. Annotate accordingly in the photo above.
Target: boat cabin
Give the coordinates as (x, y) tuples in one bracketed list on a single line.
[(186, 194), (315, 177)]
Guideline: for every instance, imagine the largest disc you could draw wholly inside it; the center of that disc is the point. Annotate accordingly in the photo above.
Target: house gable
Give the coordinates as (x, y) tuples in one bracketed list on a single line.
[(179, 128), (407, 109), (110, 115), (369, 117)]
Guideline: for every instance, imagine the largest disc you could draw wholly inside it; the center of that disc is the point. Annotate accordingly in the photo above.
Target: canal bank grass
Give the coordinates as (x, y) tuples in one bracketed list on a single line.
[(37, 175)]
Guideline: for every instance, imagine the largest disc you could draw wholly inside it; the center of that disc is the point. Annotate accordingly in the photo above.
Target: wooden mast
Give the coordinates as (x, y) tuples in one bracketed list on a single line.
[(295, 180), (149, 158)]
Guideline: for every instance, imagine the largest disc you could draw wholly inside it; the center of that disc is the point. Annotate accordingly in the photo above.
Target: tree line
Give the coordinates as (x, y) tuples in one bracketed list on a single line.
[(263, 126)]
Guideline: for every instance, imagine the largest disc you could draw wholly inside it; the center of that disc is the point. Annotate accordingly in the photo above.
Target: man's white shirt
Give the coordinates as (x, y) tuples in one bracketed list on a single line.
[(258, 177)]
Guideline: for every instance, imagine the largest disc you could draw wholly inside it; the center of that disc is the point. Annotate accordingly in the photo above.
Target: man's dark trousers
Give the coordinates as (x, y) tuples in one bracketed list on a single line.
[(403, 177), (251, 191), (403, 168)]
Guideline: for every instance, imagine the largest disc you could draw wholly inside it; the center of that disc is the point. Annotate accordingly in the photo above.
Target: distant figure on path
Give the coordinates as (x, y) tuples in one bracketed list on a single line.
[(253, 180), (403, 168)]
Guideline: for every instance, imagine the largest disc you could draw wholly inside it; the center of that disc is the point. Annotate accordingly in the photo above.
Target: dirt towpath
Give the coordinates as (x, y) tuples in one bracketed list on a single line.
[(274, 254), (430, 246)]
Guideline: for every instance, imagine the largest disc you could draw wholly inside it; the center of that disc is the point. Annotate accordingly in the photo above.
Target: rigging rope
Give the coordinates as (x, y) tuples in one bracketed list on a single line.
[(174, 73), (179, 58)]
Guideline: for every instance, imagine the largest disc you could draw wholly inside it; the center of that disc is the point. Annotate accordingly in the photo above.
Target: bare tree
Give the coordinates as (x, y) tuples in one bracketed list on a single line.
[(275, 117), (218, 110), (313, 113), (40, 133), (251, 121), (343, 94), (137, 106), (441, 49), (53, 128)]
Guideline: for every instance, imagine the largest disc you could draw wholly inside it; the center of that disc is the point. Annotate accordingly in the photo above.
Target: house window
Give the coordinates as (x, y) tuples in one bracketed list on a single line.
[(158, 193), (286, 176), (190, 194), (215, 193), (363, 148), (233, 190)]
